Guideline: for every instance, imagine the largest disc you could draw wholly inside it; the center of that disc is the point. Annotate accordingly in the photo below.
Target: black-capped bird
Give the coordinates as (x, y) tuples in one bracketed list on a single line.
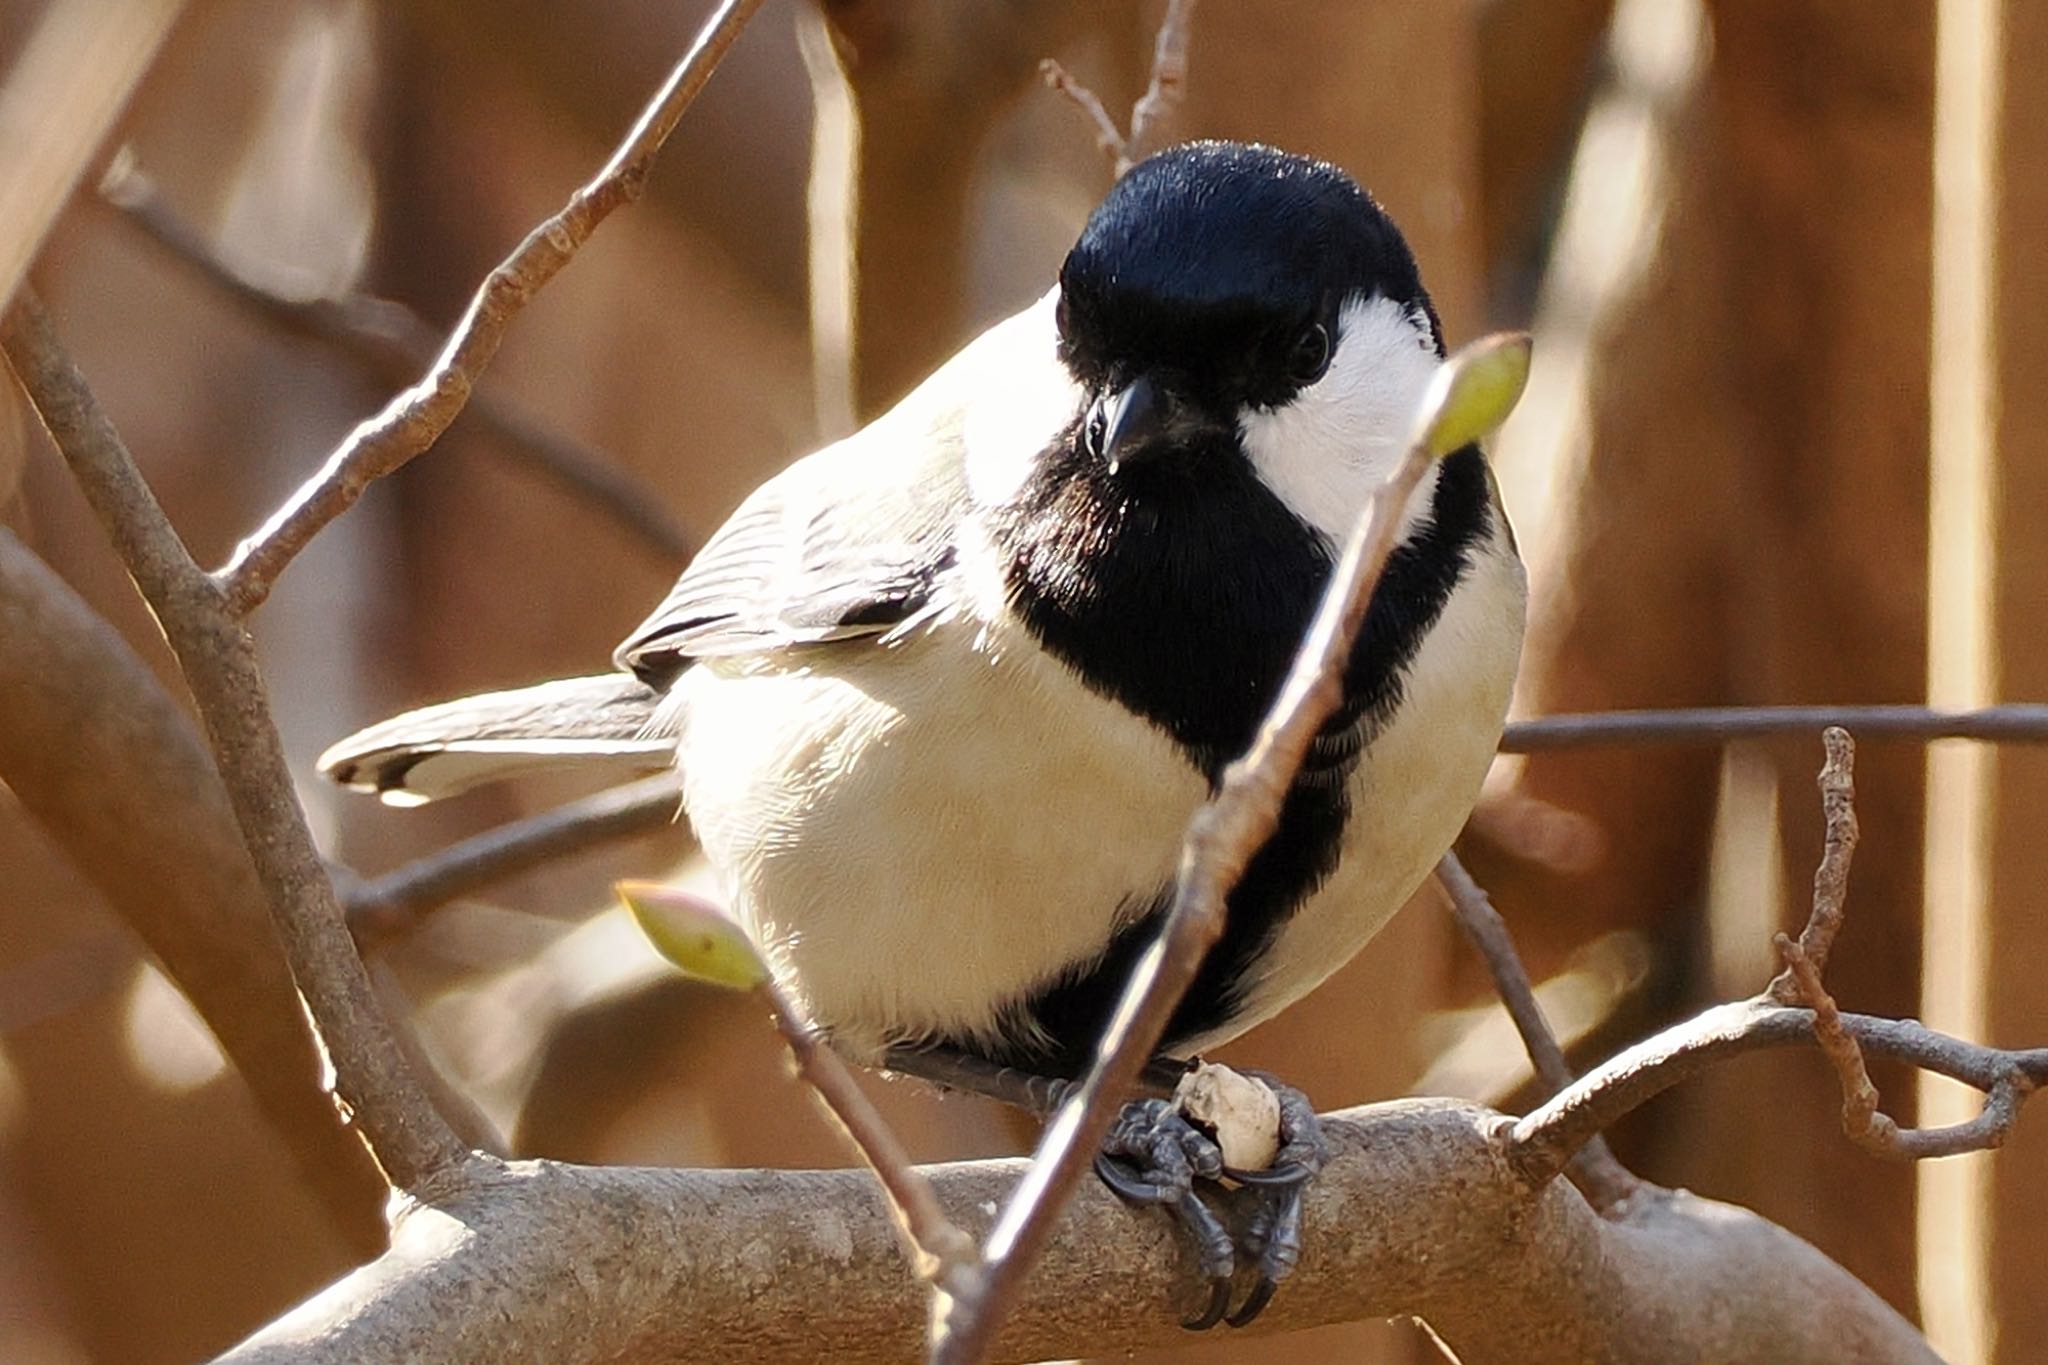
[(944, 694)]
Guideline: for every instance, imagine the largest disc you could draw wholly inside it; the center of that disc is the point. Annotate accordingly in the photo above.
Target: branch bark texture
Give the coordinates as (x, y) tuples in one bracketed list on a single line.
[(1420, 1211)]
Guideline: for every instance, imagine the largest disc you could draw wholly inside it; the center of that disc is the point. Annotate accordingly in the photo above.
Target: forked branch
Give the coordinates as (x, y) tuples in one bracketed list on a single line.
[(1544, 1140), (1154, 111), (415, 419)]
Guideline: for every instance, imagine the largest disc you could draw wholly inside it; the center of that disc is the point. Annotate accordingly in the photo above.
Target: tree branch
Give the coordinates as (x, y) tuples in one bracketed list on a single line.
[(1163, 95), (390, 343), (1545, 1139), (2015, 723), (1594, 1168), (382, 908), (416, 417), (1168, 87), (379, 1092), (98, 754), (942, 1252), (1419, 1211), (1831, 878)]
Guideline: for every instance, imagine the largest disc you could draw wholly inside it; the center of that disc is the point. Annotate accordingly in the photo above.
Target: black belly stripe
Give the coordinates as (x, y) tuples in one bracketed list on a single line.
[(1187, 607)]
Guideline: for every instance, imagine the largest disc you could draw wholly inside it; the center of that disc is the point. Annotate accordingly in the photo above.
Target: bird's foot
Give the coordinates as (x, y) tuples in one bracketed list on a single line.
[(1155, 1154)]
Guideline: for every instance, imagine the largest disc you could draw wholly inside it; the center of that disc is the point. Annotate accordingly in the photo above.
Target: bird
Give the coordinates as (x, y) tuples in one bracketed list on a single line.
[(944, 694)]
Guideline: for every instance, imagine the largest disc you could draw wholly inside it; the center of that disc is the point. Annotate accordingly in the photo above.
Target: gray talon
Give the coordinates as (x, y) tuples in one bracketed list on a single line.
[(1154, 1155), (1272, 1236), (1254, 1303), (1219, 1300)]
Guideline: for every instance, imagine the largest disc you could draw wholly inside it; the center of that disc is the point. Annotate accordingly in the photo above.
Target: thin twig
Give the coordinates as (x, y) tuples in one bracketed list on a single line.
[(1488, 933), (416, 417), (390, 344), (1544, 1139), (1107, 135), (2014, 723), (1868, 1126), (464, 1115), (1831, 876), (381, 908), (1168, 86), (1221, 839), (941, 1252), (372, 1080), (1164, 92), (1595, 1170)]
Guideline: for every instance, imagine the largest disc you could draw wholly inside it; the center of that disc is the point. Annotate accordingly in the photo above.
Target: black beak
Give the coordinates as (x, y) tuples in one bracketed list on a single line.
[(1127, 423)]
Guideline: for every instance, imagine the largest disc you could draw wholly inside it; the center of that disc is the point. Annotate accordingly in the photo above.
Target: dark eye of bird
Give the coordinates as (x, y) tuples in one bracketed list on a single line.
[(1310, 356)]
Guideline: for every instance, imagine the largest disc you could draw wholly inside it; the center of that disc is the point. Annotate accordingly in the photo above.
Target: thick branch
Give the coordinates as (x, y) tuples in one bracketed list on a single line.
[(391, 343), (372, 1081), (1419, 1211), (98, 754), (2015, 723), (415, 419)]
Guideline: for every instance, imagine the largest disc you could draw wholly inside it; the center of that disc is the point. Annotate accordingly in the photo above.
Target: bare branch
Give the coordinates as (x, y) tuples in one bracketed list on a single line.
[(384, 907), (1594, 1168), (2015, 723), (1545, 1138), (1154, 109), (372, 1081), (698, 936), (1418, 1212), (464, 1115), (98, 753), (1869, 1127), (1107, 135), (1831, 876), (1168, 87), (1221, 839), (940, 1251), (1488, 933), (416, 417), (390, 343)]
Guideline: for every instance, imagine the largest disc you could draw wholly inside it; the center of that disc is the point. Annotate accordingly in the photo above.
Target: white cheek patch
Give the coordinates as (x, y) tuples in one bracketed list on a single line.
[(1021, 397), (1325, 451)]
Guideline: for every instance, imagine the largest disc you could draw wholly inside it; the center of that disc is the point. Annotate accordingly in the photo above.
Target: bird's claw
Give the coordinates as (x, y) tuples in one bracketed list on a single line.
[(1154, 1155)]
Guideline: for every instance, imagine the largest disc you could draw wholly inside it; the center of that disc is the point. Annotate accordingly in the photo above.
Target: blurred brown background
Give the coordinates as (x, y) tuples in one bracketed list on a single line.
[(1785, 262)]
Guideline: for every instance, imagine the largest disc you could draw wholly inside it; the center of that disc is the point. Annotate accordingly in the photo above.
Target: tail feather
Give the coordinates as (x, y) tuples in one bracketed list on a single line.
[(440, 750)]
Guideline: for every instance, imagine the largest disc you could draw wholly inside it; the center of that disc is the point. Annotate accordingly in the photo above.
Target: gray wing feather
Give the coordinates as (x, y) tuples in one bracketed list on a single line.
[(845, 544)]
